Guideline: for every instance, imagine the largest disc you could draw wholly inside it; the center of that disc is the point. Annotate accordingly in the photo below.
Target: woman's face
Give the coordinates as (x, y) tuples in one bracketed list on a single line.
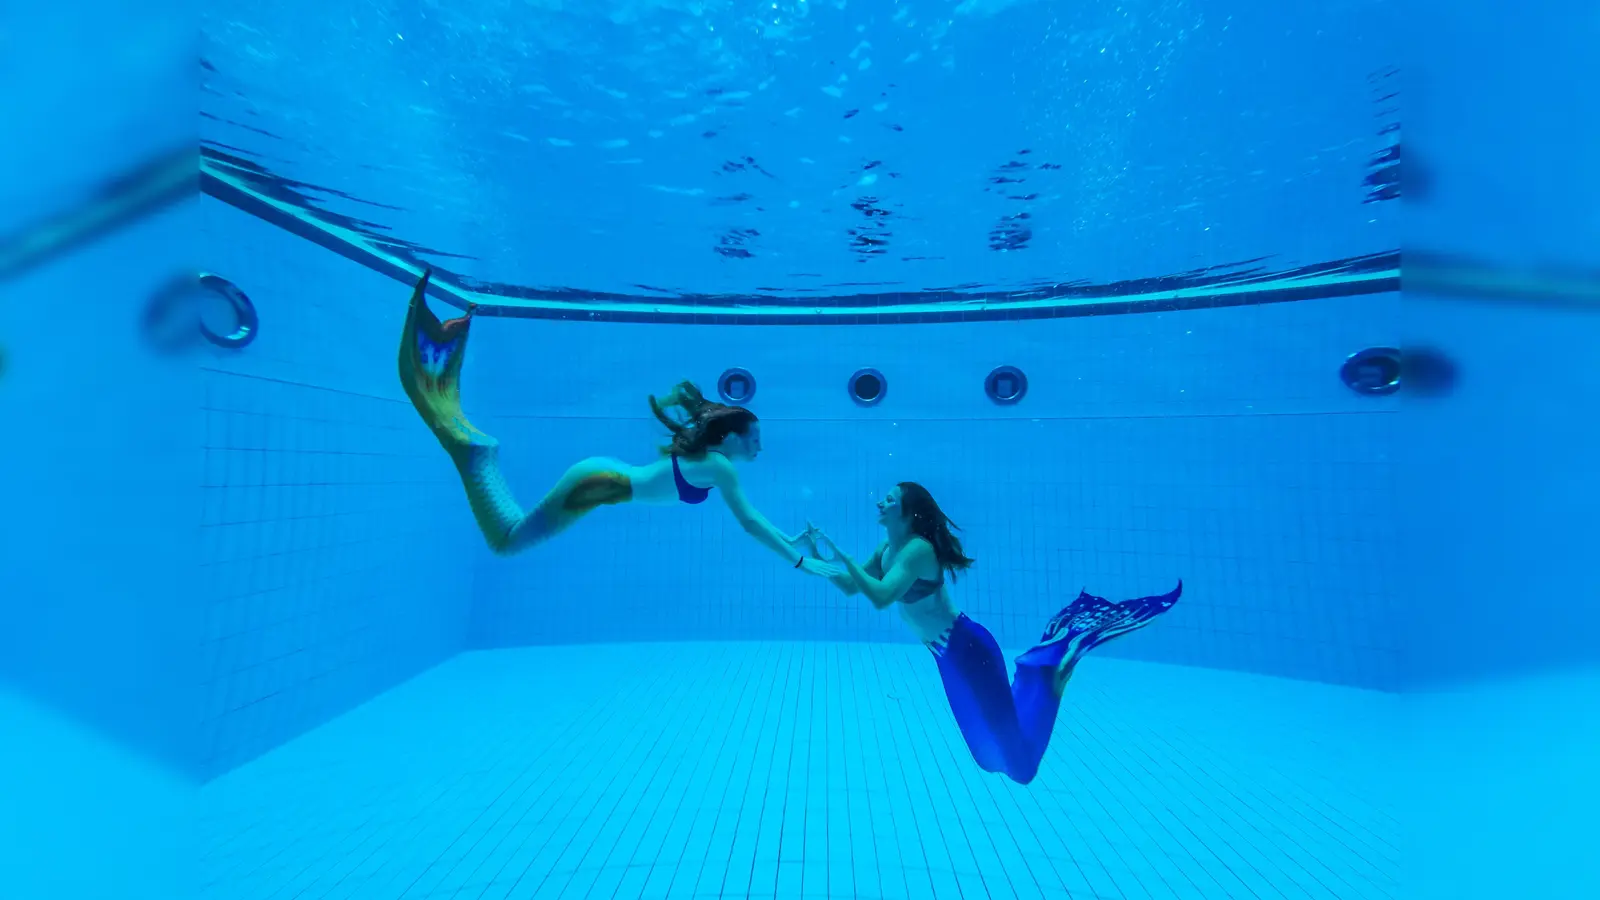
[(744, 446), (889, 507)]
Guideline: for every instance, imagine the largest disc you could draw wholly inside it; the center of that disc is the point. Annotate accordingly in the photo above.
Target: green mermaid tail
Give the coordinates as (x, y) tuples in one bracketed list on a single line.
[(431, 355)]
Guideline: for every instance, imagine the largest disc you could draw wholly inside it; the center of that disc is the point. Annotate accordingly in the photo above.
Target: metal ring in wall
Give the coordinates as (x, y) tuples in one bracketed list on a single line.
[(176, 315), (246, 321), (736, 386), (867, 387), (1006, 385)]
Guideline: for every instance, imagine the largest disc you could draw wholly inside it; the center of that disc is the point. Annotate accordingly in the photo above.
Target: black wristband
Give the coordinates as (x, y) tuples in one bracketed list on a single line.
[(799, 561)]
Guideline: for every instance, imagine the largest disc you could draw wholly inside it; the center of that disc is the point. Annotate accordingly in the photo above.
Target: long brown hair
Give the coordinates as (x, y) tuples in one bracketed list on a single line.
[(706, 423), (930, 523)]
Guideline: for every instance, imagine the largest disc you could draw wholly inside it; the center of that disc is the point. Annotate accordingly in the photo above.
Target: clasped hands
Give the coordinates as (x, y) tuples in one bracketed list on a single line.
[(811, 542)]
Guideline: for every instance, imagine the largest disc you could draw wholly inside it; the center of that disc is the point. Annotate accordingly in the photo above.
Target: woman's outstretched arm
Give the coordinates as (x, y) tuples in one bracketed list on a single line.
[(755, 524)]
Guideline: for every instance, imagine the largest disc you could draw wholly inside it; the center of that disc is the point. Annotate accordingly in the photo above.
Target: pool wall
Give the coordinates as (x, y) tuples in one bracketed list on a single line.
[(1214, 446), (1318, 532), (333, 559)]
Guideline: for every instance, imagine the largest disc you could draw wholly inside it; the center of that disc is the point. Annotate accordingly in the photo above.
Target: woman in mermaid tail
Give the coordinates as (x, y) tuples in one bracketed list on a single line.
[(1006, 725), (700, 458)]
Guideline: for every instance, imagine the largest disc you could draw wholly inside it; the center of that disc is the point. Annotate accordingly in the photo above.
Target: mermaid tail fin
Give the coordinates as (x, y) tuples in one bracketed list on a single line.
[(431, 355), (1090, 621)]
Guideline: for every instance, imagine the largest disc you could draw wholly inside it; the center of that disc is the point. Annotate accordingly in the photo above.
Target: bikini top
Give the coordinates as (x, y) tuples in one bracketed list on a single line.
[(922, 589), (687, 492)]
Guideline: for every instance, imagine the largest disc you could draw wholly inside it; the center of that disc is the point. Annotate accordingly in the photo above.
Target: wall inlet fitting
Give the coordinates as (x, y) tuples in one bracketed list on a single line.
[(1006, 385), (736, 386), (867, 387), (1373, 371)]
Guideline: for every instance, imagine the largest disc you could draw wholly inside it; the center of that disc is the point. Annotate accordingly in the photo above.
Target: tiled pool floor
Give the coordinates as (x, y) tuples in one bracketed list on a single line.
[(809, 770)]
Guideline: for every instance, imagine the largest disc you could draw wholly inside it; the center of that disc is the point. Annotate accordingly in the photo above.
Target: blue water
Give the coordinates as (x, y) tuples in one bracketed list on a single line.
[(818, 146), (254, 647)]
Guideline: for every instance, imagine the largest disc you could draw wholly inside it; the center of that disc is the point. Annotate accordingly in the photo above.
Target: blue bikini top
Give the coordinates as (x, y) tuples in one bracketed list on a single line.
[(922, 588), (687, 492)]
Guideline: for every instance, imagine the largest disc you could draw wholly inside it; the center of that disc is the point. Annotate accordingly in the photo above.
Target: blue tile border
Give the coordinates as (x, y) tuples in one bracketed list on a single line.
[(249, 188), (245, 201), (159, 182)]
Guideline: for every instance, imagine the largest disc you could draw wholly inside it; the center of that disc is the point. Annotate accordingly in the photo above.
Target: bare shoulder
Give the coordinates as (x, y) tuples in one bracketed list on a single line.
[(921, 556), (916, 554)]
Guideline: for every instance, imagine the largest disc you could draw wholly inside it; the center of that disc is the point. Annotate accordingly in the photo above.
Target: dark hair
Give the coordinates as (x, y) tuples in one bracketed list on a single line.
[(930, 523), (707, 423)]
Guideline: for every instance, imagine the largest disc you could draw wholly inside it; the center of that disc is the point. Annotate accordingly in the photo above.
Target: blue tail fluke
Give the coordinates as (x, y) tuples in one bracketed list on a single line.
[(1090, 621)]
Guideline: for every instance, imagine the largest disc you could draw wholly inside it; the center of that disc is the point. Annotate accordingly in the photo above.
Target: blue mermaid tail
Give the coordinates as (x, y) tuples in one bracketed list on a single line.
[(1007, 726), (1090, 621)]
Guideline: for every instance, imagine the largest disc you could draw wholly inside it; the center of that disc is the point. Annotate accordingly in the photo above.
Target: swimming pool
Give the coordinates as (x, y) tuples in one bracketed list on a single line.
[(1118, 284), (804, 750)]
